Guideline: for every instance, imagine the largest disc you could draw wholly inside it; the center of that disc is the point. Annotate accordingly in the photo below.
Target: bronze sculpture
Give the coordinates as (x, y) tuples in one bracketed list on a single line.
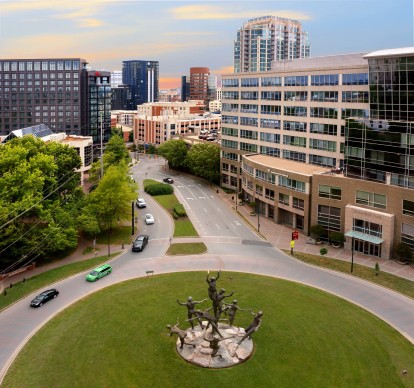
[(231, 310), (182, 334), (254, 326), (212, 290), (190, 304)]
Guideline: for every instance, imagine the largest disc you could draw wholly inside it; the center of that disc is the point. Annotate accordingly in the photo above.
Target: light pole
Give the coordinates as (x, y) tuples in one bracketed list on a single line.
[(352, 255), (258, 216)]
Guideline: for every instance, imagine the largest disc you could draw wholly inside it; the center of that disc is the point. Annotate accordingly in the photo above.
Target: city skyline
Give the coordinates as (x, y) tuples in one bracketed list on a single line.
[(184, 34)]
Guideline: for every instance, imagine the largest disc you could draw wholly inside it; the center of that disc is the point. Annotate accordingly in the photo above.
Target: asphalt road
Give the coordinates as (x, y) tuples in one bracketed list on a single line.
[(232, 246)]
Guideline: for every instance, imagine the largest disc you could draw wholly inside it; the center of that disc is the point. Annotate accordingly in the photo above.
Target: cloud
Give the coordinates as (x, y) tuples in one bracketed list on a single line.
[(207, 12)]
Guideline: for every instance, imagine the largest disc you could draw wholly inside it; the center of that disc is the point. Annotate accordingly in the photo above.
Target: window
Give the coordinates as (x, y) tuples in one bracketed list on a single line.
[(367, 227), (271, 95), (249, 82), (295, 111), (328, 96), (291, 183), (327, 113), (284, 199), (229, 143), (270, 151), (294, 155), (230, 83), (248, 147), (408, 207), (329, 217), (296, 81), (270, 110), (324, 79), (322, 160), (229, 131), (294, 141), (271, 81), (298, 203), (246, 134), (371, 199), (326, 129), (270, 137), (331, 192), (355, 79), (270, 123), (324, 145), (269, 194), (294, 126), (230, 119), (407, 234), (248, 121)]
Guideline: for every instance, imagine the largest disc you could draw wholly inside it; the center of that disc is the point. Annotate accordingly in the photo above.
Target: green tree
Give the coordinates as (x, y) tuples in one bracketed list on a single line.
[(203, 159), (111, 200), (39, 199), (403, 253), (175, 152)]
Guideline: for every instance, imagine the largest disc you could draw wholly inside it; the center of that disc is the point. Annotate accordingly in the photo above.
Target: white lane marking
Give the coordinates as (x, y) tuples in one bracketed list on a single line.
[(205, 210), (219, 210), (237, 223), (189, 198), (218, 227), (202, 197)]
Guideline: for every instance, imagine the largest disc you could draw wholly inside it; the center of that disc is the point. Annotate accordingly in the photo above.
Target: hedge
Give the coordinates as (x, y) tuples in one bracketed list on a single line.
[(158, 189), (179, 211)]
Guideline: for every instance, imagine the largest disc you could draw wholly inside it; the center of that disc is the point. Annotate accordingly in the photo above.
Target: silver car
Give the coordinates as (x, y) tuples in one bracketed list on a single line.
[(149, 219)]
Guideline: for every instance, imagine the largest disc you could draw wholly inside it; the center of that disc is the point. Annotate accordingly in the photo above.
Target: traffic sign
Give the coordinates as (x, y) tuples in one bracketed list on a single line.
[(295, 235)]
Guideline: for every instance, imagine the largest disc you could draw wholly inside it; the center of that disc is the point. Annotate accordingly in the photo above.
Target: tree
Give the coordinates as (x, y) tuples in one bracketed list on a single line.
[(175, 151), (111, 200), (39, 199), (203, 159)]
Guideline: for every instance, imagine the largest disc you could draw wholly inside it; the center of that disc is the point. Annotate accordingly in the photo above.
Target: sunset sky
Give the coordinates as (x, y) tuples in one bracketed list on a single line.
[(184, 34)]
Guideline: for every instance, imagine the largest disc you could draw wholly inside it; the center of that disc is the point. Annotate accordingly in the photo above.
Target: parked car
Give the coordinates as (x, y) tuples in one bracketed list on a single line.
[(141, 203), (211, 138), (140, 242), (149, 219), (99, 272), (168, 180), (44, 297)]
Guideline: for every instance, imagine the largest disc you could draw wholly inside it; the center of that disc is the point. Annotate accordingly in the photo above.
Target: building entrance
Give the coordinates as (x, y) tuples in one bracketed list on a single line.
[(367, 248)]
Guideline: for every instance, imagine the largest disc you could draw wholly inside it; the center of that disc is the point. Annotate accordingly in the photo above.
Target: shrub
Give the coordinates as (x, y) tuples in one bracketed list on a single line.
[(158, 189), (323, 251), (317, 231), (403, 253), (179, 211), (337, 238)]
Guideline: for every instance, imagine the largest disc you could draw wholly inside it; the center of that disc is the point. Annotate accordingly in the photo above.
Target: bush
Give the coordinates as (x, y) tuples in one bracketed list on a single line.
[(317, 231), (158, 189), (336, 238), (403, 253), (179, 211), (323, 251)]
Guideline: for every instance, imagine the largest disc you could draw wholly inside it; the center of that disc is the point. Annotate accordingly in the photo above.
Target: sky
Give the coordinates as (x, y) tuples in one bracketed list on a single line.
[(184, 34)]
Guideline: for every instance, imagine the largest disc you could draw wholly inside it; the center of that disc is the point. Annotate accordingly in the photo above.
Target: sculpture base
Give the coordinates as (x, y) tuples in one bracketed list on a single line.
[(197, 349)]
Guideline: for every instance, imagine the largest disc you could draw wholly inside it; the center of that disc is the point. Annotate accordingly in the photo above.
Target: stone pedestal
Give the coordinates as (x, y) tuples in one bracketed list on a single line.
[(197, 349)]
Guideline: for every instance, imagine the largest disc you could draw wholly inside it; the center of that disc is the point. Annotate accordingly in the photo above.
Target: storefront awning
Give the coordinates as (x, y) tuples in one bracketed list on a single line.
[(365, 237)]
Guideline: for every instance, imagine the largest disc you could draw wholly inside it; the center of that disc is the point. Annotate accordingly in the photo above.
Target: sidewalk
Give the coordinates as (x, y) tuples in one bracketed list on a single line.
[(281, 235)]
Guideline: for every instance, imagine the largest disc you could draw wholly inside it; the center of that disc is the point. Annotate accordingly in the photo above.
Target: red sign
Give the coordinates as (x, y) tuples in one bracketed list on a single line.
[(295, 235)]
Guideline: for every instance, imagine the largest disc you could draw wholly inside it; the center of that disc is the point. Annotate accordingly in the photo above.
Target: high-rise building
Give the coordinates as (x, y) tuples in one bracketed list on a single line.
[(116, 78), (326, 141), (268, 38), (142, 78), (185, 88), (57, 92), (121, 98), (199, 83)]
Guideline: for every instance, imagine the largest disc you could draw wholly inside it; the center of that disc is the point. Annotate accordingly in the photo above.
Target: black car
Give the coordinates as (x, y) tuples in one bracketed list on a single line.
[(140, 242), (168, 180), (44, 297)]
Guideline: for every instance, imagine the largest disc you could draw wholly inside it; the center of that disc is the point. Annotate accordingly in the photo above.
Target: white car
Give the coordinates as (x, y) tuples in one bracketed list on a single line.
[(149, 218), (141, 203)]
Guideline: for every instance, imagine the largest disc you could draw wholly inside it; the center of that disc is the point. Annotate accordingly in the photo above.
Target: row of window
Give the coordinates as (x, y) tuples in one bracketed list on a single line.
[(39, 65), (315, 80)]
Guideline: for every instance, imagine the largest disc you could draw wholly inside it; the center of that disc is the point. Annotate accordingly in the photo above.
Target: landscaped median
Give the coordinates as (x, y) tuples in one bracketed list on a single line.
[(21, 290)]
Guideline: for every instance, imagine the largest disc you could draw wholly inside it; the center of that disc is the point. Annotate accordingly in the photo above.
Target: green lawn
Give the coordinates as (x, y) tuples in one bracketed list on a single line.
[(308, 338), (20, 290), (186, 249), (385, 279)]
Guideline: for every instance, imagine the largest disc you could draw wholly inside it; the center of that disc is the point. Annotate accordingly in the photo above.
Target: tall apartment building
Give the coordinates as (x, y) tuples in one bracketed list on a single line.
[(350, 111), (268, 38), (142, 78), (54, 92), (185, 88)]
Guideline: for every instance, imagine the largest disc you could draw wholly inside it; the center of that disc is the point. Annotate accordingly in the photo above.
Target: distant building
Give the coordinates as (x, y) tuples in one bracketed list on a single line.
[(170, 95), (116, 78), (124, 117), (268, 38), (214, 106), (158, 122), (121, 98), (59, 92), (142, 78), (199, 86), (185, 88)]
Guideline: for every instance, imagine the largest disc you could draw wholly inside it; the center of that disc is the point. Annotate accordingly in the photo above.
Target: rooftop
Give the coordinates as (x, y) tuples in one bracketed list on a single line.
[(270, 162), (396, 52)]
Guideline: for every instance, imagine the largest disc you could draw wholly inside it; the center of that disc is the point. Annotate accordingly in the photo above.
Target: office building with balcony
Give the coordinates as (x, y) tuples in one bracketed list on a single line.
[(142, 78), (262, 40), (350, 171)]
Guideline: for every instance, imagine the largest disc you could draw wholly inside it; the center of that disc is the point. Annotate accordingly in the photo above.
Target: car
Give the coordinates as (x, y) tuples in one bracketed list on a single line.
[(140, 242), (141, 203), (132, 178), (44, 297), (211, 138), (149, 218), (168, 180), (99, 272)]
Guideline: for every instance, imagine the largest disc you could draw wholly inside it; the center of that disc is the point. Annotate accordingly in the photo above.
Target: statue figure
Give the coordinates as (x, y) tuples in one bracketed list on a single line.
[(182, 334), (214, 343), (211, 319), (212, 290), (218, 302), (232, 310), (190, 304), (254, 326)]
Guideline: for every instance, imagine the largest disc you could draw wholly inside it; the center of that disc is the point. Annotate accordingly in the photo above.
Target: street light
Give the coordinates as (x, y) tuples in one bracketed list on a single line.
[(100, 114), (352, 255)]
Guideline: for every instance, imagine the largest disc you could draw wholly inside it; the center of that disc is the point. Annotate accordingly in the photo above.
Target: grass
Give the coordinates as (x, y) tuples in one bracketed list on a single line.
[(385, 279), (186, 249), (20, 290), (308, 338)]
